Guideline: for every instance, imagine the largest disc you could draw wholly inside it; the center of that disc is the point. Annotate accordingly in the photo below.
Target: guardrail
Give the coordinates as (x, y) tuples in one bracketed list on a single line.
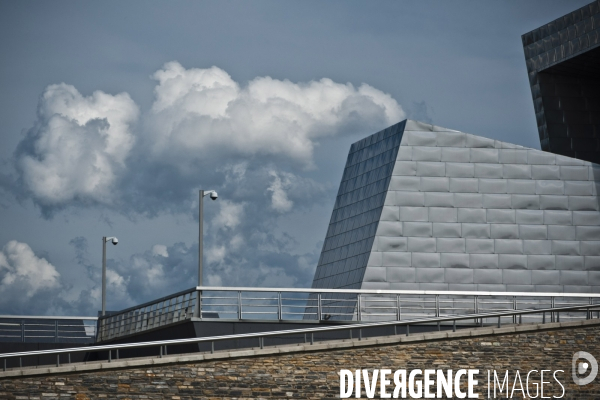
[(45, 329), (554, 314), (315, 305)]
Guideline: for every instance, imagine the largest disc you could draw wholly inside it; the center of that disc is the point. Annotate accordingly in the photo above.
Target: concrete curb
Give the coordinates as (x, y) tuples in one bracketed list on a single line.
[(300, 348)]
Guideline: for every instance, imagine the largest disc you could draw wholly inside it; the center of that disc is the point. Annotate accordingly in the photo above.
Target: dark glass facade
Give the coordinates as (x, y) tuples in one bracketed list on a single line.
[(563, 64), (357, 209)]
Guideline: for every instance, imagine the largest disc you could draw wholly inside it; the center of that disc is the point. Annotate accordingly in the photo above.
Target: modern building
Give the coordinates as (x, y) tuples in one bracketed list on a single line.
[(563, 64), (424, 207)]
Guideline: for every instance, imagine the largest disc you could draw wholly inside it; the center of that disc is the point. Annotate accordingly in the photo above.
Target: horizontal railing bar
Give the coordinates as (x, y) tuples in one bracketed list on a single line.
[(259, 298), (259, 305), (294, 299), (260, 312), (407, 292), (362, 325), (44, 317)]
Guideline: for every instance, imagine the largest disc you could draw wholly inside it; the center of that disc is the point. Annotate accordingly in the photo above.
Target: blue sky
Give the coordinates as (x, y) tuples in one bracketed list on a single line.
[(113, 115)]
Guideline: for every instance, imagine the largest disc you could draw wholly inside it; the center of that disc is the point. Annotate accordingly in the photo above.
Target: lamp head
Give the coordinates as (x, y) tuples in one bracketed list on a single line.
[(212, 193)]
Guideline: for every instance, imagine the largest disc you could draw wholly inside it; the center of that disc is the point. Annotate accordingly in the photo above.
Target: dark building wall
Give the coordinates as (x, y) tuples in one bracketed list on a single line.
[(314, 375), (563, 64)]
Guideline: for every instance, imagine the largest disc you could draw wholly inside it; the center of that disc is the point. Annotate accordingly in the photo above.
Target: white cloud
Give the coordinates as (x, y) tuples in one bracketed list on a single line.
[(215, 254), (229, 216), (160, 250), (22, 270), (77, 147), (279, 198), (200, 112)]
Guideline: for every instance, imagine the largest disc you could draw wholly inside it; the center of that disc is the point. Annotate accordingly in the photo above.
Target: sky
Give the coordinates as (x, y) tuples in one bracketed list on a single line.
[(113, 115)]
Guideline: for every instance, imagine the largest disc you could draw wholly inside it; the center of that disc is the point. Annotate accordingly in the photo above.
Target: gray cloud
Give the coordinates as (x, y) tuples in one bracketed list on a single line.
[(77, 148), (27, 282)]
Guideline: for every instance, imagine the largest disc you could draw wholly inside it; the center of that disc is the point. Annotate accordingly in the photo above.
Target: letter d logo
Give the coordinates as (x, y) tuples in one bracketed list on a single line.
[(582, 367)]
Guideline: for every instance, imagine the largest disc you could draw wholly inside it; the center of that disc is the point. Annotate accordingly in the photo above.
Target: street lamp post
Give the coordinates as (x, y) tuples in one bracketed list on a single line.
[(114, 241), (213, 195)]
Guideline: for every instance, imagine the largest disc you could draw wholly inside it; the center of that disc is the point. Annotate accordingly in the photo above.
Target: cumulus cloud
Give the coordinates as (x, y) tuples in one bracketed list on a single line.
[(28, 284), (229, 215), (279, 199), (160, 250), (200, 111), (19, 266), (77, 146)]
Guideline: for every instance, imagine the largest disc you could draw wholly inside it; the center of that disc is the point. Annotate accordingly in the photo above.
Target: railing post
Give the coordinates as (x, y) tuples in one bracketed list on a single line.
[(437, 305), (58, 360), (398, 309), (475, 307), (198, 308), (454, 326), (312, 338), (98, 330), (23, 330), (56, 331), (515, 309), (279, 307), (551, 306), (318, 307), (109, 355), (407, 330), (212, 347), (358, 306), (239, 300)]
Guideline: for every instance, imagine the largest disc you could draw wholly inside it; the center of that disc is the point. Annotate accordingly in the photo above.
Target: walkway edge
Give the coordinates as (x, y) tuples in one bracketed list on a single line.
[(285, 349)]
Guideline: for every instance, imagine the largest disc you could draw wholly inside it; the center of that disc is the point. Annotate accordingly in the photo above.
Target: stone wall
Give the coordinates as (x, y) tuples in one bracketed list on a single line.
[(309, 374)]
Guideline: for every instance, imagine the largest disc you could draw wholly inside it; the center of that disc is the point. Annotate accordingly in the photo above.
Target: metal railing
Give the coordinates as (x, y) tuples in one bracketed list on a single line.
[(167, 310), (481, 319), (315, 305), (45, 329)]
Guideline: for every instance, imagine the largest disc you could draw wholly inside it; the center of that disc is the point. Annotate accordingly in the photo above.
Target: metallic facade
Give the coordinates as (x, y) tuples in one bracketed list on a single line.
[(463, 212), (563, 64), (357, 209)]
